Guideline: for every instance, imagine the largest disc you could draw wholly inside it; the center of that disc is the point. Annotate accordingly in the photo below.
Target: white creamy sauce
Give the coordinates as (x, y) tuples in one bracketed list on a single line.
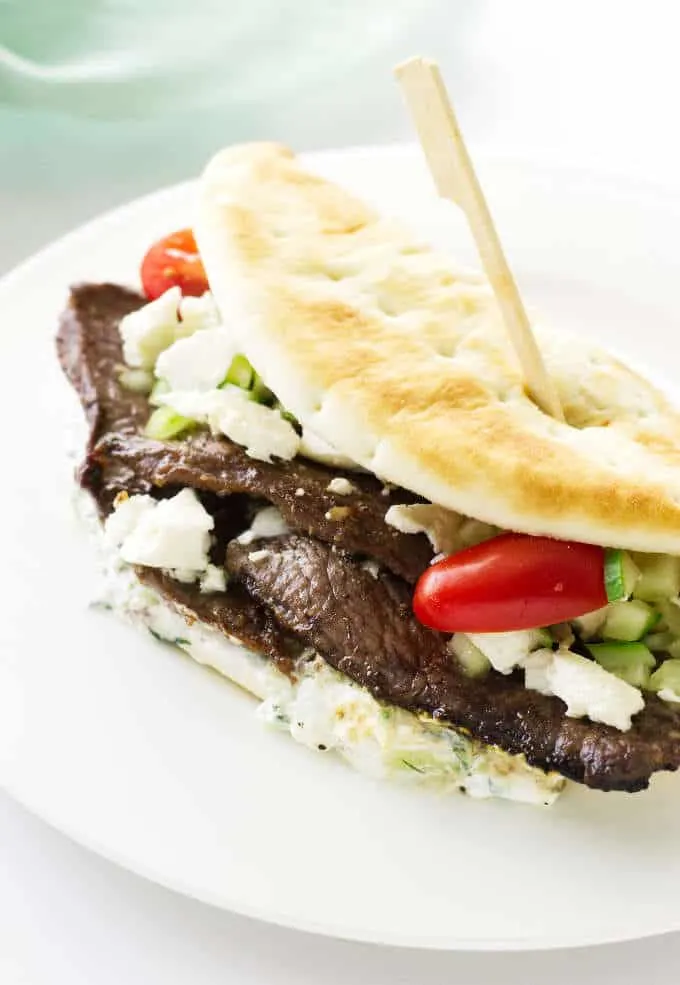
[(324, 709)]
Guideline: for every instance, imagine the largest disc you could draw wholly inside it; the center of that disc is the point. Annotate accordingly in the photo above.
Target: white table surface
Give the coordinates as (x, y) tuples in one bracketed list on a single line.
[(595, 83)]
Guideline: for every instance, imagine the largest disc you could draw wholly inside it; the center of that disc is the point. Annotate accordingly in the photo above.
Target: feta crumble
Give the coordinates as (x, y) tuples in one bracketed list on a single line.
[(199, 362), (447, 531), (588, 689), (151, 329), (213, 580), (261, 430), (341, 486), (173, 534)]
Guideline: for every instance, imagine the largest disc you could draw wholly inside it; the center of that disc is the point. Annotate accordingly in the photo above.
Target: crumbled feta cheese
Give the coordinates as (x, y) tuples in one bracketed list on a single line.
[(267, 523), (668, 694), (197, 314), (505, 651), (127, 513), (536, 671), (147, 332), (261, 430), (199, 362), (447, 531), (588, 689), (257, 556), (173, 534), (341, 486), (214, 579), (299, 491), (372, 567)]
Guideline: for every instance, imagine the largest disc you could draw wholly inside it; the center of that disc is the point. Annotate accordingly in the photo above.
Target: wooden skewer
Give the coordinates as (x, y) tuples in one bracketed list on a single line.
[(455, 179)]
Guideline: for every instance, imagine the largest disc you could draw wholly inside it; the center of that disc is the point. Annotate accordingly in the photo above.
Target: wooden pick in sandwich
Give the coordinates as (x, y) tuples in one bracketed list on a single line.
[(455, 179)]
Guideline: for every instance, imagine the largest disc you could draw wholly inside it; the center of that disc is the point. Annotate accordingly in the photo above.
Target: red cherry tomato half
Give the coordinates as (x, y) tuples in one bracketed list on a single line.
[(511, 582), (174, 260)]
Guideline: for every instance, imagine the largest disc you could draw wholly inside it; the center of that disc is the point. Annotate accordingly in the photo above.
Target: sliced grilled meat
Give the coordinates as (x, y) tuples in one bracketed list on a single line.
[(234, 613), (90, 353), (305, 592), (299, 489), (364, 627)]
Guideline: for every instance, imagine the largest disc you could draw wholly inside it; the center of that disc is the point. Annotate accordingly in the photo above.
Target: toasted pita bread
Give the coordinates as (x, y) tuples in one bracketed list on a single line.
[(379, 345)]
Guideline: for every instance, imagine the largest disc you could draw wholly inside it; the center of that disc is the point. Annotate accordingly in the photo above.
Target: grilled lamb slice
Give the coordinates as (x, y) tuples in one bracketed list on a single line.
[(299, 490), (364, 627)]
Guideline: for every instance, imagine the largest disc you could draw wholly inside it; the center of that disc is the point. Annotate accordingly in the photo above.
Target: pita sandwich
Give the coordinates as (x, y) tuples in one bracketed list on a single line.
[(296, 472)]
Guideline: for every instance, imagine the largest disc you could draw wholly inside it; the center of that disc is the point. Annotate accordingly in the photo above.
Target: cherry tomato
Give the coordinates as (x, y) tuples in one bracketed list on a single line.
[(511, 582), (174, 260)]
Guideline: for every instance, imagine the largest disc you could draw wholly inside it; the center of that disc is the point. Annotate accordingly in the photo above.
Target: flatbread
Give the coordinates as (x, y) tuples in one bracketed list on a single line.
[(387, 351)]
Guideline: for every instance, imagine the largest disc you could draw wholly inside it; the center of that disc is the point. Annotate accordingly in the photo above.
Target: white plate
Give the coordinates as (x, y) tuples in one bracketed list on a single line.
[(161, 766)]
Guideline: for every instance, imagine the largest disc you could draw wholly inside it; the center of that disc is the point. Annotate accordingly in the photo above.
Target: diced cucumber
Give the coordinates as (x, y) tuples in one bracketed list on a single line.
[(670, 616), (620, 574), (658, 642), (240, 373), (507, 650), (667, 677), (287, 416), (629, 621), (261, 393), (164, 424), (659, 577), (632, 662), (160, 388), (136, 380), (469, 656), (591, 623)]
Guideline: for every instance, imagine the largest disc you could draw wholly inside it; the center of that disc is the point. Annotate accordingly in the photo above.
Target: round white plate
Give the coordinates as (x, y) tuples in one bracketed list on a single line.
[(162, 766)]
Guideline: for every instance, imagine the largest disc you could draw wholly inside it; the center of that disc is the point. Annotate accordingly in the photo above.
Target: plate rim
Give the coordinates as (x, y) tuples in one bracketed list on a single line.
[(646, 189)]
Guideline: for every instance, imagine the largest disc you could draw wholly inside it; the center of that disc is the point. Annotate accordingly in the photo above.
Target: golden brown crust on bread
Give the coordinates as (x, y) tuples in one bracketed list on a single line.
[(386, 350)]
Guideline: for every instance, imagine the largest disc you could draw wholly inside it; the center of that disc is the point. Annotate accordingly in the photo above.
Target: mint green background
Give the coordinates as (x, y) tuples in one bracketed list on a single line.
[(103, 100)]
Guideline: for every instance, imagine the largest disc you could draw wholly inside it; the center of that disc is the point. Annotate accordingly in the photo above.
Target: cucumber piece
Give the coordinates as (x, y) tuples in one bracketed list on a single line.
[(287, 416), (667, 677), (629, 621), (659, 642), (670, 616), (591, 623), (136, 380), (632, 662), (164, 424), (659, 577), (469, 656), (240, 373), (620, 574), (160, 388), (261, 393)]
